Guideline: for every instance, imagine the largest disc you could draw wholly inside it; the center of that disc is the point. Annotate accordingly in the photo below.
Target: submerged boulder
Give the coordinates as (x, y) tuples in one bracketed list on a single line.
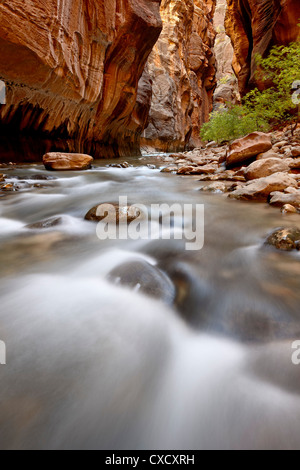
[(46, 224), (143, 277), (285, 239), (67, 161), (113, 212), (242, 150)]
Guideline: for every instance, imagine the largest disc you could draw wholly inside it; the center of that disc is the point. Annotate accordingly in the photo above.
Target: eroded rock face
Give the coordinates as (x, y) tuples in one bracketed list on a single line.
[(72, 69), (182, 66), (254, 26), (227, 88)]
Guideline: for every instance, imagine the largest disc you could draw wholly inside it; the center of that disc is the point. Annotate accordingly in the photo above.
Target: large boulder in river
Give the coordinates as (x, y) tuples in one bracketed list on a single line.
[(260, 189), (285, 239), (266, 167), (67, 161), (143, 277), (242, 150)]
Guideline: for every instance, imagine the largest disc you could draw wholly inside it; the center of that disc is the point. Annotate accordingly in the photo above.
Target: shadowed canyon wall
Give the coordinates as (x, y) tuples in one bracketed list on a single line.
[(72, 69), (254, 26), (182, 67)]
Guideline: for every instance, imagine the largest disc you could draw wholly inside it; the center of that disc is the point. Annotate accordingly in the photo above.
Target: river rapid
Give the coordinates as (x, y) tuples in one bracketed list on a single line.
[(93, 364)]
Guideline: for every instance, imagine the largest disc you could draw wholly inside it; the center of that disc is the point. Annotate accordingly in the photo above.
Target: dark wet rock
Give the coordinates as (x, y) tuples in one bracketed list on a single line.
[(119, 165), (123, 213), (9, 187), (143, 277), (285, 239), (8, 165), (151, 167), (41, 177), (22, 185), (40, 186), (45, 224)]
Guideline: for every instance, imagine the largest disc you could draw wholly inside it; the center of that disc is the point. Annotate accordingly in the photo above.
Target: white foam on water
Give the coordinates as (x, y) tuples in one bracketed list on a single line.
[(101, 265), (9, 226)]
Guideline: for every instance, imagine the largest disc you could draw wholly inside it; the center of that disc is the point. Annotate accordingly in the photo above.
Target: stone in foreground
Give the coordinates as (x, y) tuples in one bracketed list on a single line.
[(285, 239), (57, 161), (242, 150)]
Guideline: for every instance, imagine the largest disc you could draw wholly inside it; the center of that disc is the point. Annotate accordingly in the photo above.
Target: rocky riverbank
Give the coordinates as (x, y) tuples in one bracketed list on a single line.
[(259, 167)]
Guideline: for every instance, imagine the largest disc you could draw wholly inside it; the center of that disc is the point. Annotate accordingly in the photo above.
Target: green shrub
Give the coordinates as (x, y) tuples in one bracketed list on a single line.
[(230, 123), (277, 73), (261, 109)]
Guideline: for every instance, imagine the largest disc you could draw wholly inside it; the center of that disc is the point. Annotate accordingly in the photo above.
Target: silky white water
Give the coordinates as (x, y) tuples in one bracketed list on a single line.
[(95, 365)]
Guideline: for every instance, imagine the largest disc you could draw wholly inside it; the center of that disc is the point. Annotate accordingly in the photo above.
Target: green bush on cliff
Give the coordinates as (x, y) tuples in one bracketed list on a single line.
[(278, 73), (229, 123), (261, 110)]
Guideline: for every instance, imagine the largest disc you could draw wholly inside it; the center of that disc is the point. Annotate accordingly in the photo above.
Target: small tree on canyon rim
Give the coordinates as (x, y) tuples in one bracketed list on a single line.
[(262, 109)]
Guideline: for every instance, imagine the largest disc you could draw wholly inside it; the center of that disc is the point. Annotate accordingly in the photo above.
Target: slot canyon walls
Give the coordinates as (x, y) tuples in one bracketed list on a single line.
[(227, 85), (81, 75), (254, 26), (72, 69), (182, 67)]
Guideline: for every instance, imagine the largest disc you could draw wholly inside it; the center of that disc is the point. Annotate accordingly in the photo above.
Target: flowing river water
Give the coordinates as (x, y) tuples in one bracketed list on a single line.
[(95, 364)]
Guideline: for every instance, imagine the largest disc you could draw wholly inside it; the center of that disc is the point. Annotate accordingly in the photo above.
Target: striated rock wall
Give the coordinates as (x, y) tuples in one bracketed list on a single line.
[(254, 26), (227, 87), (182, 67), (74, 71)]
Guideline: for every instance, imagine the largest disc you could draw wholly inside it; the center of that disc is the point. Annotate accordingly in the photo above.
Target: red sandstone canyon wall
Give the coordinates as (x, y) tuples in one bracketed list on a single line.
[(182, 67), (254, 26), (74, 70)]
